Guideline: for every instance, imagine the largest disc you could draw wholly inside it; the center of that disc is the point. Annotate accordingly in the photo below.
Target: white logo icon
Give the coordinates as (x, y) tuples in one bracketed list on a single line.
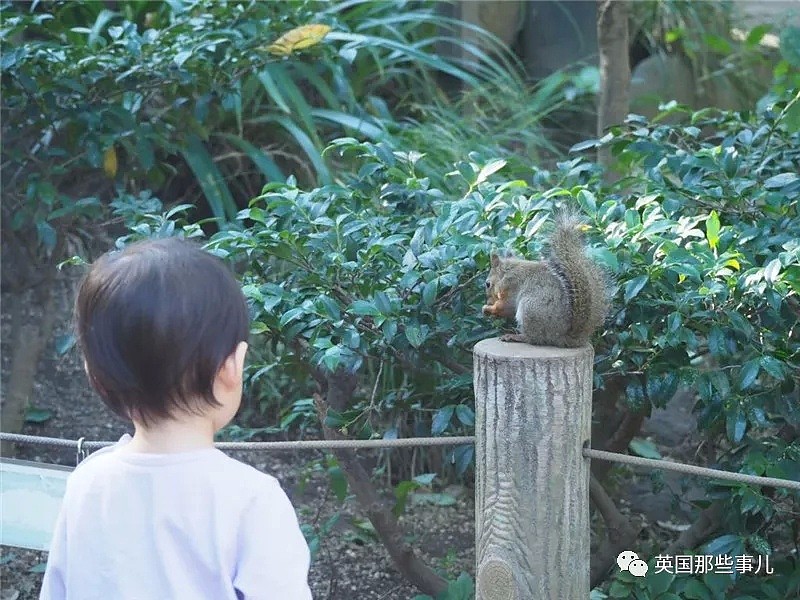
[(630, 561), (638, 568)]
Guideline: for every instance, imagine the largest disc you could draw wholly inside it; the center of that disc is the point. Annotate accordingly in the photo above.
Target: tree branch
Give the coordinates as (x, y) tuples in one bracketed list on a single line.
[(340, 387), (618, 442), (706, 524)]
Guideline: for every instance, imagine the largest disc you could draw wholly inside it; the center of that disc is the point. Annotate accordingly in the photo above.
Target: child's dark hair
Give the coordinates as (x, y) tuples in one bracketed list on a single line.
[(155, 322)]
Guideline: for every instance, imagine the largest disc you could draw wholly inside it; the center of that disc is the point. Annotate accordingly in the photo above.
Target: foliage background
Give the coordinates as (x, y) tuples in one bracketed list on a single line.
[(369, 257)]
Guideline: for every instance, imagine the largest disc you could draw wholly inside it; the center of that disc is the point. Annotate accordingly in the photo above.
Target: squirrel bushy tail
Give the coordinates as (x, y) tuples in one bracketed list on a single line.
[(584, 280)]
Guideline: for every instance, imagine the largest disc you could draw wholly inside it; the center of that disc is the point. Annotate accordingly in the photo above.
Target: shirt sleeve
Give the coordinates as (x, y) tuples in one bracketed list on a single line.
[(273, 556), (54, 586)]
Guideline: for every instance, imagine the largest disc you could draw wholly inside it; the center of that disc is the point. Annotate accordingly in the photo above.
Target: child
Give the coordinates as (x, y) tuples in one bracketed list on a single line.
[(164, 515)]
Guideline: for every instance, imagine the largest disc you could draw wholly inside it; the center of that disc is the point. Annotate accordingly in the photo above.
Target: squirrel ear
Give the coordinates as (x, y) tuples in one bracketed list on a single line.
[(495, 259)]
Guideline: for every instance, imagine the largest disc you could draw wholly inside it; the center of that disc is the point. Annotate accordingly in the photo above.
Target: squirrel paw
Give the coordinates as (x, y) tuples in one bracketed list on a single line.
[(496, 309), (513, 337)]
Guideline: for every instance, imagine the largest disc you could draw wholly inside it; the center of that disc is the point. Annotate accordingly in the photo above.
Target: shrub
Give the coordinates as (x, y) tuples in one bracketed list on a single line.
[(382, 278)]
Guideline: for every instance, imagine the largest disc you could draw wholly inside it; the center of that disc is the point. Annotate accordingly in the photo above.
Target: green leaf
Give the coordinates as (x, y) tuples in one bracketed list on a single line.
[(757, 34), (658, 583), (273, 89), (425, 479), (791, 117), (716, 341), (619, 589), (434, 499), (489, 169), (466, 415), (103, 18), (718, 583), (366, 128), (37, 415), (429, 292), (634, 286), (260, 159), (358, 40), (414, 335), (718, 44), (210, 179), (65, 343), (40, 568), (363, 308), (781, 181), (462, 588), (759, 545), (290, 315), (729, 544), (329, 307), (749, 373), (790, 45), (401, 492), (771, 270), (773, 366), (644, 448), (441, 419), (585, 145), (588, 201), (338, 482), (47, 235), (696, 590), (306, 144), (736, 424)]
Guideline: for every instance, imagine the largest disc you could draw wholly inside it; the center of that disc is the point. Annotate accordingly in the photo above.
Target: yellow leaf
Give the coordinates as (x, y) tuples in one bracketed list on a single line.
[(298, 38), (110, 162), (733, 263)]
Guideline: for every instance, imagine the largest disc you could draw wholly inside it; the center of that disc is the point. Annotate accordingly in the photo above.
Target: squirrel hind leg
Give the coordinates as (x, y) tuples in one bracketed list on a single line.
[(514, 337)]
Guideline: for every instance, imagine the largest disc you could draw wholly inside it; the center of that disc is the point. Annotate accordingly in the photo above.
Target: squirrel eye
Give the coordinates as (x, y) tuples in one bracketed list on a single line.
[(488, 284)]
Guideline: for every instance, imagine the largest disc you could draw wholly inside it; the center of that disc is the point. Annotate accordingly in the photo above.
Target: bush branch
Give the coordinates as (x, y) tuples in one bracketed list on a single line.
[(620, 532), (340, 387)]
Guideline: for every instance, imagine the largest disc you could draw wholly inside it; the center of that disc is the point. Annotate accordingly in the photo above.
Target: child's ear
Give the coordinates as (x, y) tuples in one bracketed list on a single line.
[(239, 354), (233, 367)]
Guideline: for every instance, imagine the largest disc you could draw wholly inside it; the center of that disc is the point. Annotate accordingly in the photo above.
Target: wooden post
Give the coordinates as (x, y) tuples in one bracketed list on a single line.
[(533, 409)]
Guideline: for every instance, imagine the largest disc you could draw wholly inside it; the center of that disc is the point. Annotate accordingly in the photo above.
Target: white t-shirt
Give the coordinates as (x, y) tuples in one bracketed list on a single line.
[(196, 525)]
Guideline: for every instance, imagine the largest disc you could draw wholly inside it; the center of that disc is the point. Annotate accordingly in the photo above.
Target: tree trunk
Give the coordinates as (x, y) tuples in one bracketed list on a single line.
[(29, 340), (615, 69)]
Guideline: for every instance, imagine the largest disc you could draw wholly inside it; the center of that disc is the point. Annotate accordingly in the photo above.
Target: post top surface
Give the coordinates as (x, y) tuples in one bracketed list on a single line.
[(494, 347)]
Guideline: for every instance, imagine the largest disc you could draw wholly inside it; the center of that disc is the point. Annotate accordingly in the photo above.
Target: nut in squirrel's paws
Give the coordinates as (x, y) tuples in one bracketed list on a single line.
[(496, 308)]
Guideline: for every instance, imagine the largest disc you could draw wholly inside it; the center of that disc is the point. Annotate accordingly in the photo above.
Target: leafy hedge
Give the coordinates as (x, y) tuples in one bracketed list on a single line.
[(381, 274)]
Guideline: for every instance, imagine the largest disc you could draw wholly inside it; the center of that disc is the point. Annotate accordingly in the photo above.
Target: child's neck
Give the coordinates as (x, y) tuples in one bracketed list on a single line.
[(182, 434)]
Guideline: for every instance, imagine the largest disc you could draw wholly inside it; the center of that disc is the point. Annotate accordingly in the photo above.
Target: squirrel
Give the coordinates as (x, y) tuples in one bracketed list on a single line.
[(559, 301)]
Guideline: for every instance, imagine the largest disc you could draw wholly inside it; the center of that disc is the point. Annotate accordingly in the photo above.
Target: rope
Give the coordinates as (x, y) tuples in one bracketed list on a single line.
[(267, 446), (666, 465)]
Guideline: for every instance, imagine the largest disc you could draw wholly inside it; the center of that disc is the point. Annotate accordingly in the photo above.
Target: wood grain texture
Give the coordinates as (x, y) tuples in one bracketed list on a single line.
[(533, 415)]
